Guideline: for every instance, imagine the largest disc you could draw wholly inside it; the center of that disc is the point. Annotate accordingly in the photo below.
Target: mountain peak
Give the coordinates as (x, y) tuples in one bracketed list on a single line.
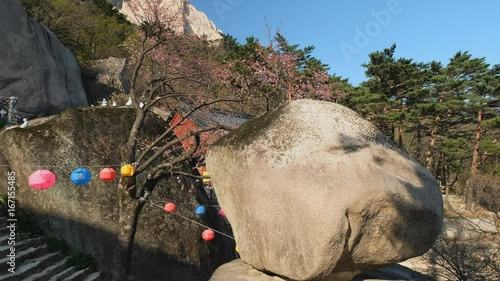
[(180, 15)]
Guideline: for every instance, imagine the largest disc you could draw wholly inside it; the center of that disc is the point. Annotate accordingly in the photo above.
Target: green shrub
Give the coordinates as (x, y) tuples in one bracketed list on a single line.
[(92, 29), (56, 245)]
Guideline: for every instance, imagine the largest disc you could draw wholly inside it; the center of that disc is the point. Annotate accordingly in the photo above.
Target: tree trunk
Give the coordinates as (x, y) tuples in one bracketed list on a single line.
[(445, 181), (445, 170), (400, 137), (475, 163), (432, 144), (418, 151), (290, 93), (437, 173), (129, 209)]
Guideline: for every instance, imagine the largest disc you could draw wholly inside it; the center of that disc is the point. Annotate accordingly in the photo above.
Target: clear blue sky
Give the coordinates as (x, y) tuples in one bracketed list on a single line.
[(344, 32)]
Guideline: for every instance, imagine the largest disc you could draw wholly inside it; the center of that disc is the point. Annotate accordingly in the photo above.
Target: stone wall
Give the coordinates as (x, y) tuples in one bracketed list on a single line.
[(86, 217)]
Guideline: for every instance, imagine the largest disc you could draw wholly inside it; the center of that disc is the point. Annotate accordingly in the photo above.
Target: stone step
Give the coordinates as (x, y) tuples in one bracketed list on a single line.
[(79, 275), (19, 236), (4, 230), (96, 276), (4, 238), (63, 274), (23, 255), (33, 261), (20, 245), (48, 272), (31, 266)]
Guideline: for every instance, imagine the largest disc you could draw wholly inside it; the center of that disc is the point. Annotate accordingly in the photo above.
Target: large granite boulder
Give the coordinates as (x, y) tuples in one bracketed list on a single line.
[(36, 68), (166, 247), (315, 192)]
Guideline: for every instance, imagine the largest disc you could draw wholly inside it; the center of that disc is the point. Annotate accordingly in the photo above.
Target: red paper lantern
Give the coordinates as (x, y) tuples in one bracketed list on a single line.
[(170, 207), (107, 174), (208, 235), (42, 179)]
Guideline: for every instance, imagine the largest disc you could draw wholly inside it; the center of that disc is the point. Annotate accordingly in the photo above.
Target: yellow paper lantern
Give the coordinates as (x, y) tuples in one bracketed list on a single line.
[(206, 180), (127, 170)]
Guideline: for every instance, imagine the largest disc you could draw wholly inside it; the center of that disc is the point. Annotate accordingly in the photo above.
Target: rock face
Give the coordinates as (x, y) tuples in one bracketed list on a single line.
[(35, 67), (86, 217), (315, 192), (104, 77), (237, 270), (188, 19)]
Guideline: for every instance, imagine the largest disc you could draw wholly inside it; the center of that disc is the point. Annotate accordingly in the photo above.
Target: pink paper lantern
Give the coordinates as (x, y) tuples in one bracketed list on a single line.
[(170, 207), (221, 212), (42, 179)]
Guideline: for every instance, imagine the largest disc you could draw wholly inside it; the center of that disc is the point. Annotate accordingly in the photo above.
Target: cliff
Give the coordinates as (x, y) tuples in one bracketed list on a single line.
[(188, 19)]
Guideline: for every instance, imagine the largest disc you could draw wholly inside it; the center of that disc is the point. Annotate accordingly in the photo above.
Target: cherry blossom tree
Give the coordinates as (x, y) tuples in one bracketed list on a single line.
[(170, 70), (280, 72)]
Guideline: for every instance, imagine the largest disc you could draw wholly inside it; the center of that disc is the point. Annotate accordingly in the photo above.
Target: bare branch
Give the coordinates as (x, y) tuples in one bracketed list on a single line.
[(139, 64), (157, 83), (183, 117), (188, 175), (183, 157), (170, 144), (131, 144)]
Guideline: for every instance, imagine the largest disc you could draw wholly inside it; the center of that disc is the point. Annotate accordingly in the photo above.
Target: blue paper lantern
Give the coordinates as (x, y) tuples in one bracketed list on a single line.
[(80, 176), (201, 210)]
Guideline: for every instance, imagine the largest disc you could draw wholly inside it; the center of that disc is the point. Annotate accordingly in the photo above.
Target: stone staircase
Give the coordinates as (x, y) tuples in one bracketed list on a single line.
[(34, 261)]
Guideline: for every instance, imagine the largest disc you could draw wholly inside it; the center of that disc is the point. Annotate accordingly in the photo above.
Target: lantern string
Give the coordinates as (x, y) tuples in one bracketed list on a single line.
[(63, 166), (190, 204), (193, 221)]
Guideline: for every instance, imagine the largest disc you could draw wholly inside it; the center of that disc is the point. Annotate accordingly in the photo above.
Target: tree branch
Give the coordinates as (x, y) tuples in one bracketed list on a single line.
[(170, 144), (154, 172)]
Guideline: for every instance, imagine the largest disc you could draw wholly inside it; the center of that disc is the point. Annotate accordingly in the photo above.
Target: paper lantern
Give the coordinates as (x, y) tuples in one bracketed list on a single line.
[(127, 170), (236, 249), (221, 212), (170, 207), (206, 180), (80, 176), (42, 179), (107, 174), (200, 210), (208, 235)]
